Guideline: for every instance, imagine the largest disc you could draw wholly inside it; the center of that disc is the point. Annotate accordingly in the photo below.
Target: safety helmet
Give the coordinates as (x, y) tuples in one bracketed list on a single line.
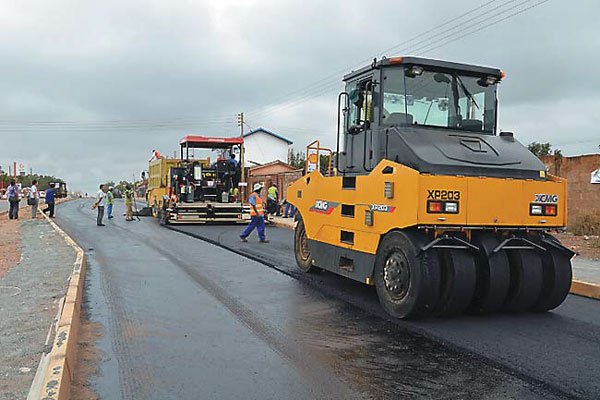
[(257, 186)]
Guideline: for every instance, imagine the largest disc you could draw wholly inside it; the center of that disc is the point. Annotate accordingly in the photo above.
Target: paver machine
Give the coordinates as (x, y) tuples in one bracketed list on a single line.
[(201, 191), (428, 202)]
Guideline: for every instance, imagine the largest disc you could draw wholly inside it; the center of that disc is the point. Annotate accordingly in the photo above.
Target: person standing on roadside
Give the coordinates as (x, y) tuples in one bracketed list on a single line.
[(272, 200), (12, 194), (50, 194), (33, 199), (99, 204), (128, 195), (110, 200), (257, 215)]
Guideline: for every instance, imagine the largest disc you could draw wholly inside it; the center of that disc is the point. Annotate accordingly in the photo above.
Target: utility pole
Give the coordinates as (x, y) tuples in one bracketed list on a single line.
[(241, 123), (242, 151)]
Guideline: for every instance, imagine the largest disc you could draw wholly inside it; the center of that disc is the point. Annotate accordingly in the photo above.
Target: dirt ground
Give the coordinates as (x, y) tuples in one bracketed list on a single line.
[(587, 248), (34, 278)]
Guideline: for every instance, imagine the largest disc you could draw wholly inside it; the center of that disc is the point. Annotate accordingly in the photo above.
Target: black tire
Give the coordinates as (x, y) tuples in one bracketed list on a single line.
[(163, 217), (459, 277), (405, 280), (304, 259), (557, 276), (525, 280), (493, 275)]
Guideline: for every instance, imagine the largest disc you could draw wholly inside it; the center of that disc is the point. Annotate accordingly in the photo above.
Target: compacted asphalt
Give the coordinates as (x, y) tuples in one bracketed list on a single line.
[(198, 314)]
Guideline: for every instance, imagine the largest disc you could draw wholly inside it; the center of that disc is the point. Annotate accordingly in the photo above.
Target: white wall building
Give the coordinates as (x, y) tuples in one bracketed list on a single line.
[(263, 146)]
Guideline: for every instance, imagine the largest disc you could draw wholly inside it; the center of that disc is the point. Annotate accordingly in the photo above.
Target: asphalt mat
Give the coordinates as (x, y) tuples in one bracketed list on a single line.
[(183, 317)]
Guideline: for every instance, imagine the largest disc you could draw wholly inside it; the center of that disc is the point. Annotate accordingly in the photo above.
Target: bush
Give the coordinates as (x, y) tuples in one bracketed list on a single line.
[(588, 224)]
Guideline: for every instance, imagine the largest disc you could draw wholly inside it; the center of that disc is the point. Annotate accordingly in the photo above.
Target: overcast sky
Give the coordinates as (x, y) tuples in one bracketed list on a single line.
[(88, 89)]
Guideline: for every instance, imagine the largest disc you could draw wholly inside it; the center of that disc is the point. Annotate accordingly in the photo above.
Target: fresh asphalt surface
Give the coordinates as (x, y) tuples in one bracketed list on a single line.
[(185, 318)]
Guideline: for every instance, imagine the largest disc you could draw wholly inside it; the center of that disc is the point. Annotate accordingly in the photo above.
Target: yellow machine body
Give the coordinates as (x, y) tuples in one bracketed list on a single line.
[(354, 213)]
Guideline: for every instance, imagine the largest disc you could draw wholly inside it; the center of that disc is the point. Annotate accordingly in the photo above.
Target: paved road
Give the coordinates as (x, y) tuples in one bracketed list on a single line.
[(184, 318), (560, 348)]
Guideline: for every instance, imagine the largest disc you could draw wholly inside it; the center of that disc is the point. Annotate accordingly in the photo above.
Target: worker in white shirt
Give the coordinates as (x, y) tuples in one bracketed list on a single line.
[(99, 204), (34, 198)]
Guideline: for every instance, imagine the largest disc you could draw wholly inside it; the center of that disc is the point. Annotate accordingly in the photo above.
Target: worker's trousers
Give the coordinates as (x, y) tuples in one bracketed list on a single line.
[(100, 215), (258, 222), (128, 211), (109, 210)]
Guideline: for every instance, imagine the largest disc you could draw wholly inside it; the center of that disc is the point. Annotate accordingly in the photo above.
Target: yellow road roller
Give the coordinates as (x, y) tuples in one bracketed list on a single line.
[(427, 201)]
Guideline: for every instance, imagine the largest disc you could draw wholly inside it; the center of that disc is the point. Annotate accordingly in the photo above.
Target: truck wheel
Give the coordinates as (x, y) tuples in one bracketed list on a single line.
[(163, 217), (405, 282), (304, 259), (557, 276), (526, 278), (459, 277), (493, 275)]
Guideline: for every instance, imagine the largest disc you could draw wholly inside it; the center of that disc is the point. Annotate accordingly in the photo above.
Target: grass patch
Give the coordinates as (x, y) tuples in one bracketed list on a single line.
[(588, 224)]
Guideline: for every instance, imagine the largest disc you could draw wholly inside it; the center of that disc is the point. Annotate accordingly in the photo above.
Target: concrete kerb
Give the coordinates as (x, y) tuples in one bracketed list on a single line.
[(59, 366), (580, 288)]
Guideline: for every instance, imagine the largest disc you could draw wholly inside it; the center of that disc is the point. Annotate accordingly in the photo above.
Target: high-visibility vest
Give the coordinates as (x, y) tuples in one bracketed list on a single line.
[(259, 205)]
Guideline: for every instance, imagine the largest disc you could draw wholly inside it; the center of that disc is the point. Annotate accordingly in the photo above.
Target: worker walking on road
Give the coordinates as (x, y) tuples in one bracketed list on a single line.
[(100, 197), (50, 194), (110, 200), (128, 195), (257, 215)]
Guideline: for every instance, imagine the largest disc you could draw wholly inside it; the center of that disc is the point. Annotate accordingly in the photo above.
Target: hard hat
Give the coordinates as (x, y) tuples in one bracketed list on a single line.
[(257, 186), (110, 188)]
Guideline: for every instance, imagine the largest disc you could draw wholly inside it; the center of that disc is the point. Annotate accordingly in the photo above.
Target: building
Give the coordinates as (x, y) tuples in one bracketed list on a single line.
[(277, 172), (583, 196), (263, 146)]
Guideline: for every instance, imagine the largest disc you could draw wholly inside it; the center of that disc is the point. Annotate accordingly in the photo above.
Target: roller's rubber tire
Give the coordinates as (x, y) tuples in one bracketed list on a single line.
[(526, 277), (557, 276), (493, 275), (304, 259), (417, 291), (459, 277)]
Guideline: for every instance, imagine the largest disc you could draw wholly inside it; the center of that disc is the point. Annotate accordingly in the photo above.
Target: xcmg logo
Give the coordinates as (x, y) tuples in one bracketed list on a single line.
[(323, 207), (545, 198)]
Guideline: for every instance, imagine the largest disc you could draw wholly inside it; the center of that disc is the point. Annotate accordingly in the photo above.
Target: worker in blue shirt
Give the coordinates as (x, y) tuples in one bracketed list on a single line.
[(50, 194)]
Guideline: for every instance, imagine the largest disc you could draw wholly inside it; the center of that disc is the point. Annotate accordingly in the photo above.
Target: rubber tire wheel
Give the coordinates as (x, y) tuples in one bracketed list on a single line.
[(422, 289), (305, 264), (557, 276), (526, 277), (493, 275), (459, 277), (163, 217)]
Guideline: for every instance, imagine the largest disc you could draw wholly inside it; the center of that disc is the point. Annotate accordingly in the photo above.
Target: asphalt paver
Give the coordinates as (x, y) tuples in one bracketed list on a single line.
[(185, 318)]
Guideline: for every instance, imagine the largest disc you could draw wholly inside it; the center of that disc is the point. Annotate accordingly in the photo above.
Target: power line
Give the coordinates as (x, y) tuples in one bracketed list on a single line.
[(301, 99), (307, 96)]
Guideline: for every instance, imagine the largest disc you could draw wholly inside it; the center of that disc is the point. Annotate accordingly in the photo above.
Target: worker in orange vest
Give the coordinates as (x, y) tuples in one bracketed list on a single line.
[(257, 215)]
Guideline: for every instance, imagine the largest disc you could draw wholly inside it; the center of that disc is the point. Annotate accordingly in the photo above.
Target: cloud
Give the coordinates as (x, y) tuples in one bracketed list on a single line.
[(160, 70)]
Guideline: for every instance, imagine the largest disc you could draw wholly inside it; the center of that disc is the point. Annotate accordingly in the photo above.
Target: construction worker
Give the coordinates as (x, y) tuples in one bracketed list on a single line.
[(257, 215), (110, 199), (128, 196), (272, 205)]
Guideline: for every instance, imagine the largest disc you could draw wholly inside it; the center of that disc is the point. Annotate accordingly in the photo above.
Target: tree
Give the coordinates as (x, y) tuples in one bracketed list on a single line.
[(540, 149), (297, 160)]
